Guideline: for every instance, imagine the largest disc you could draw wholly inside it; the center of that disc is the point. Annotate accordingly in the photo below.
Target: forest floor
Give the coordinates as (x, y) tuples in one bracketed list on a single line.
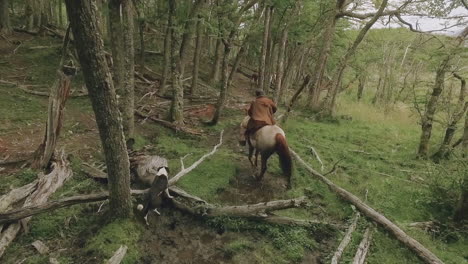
[(375, 149)]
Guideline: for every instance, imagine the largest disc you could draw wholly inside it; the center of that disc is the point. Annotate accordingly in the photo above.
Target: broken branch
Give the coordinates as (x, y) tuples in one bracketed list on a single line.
[(184, 171), (346, 239), (421, 251)]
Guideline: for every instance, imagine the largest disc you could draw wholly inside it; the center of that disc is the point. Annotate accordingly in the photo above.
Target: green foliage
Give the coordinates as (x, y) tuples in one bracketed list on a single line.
[(445, 187), (111, 236)]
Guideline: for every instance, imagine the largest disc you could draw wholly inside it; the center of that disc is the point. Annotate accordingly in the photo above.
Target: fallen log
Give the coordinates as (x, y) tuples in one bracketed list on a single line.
[(176, 128), (422, 252), (363, 248), (16, 195), (118, 255), (46, 186), (345, 241)]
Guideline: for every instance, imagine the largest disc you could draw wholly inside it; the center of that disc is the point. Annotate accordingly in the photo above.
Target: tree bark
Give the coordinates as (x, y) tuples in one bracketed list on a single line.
[(422, 252), (330, 100), (224, 85), (295, 97), (167, 58), (363, 248), (362, 82), (196, 56), (5, 27), (215, 70), (121, 24), (176, 114), (262, 64), (90, 48), (319, 69), (187, 35), (57, 98), (460, 110), (280, 68), (431, 106)]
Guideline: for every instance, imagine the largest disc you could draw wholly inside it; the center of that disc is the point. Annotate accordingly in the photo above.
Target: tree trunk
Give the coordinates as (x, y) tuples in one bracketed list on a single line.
[(280, 68), (295, 97), (5, 27), (167, 58), (215, 70), (362, 82), (188, 32), (319, 69), (177, 104), (224, 86), (58, 97), (465, 137), (460, 110), (262, 64), (196, 56), (121, 24), (431, 106), (90, 48), (330, 99), (461, 213)]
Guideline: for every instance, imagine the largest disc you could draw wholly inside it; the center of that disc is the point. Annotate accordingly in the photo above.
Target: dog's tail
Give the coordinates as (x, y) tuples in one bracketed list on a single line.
[(284, 156)]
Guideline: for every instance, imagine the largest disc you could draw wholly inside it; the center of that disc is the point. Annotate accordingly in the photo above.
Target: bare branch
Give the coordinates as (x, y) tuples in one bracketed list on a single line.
[(184, 171), (346, 239)]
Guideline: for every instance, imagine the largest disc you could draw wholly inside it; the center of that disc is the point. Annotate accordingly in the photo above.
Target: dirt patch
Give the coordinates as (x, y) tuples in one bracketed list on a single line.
[(174, 237)]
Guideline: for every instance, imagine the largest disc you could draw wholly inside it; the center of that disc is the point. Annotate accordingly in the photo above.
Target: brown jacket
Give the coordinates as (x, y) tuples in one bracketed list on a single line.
[(262, 109)]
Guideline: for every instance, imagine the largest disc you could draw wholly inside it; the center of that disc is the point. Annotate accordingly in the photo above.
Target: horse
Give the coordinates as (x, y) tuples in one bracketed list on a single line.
[(266, 141)]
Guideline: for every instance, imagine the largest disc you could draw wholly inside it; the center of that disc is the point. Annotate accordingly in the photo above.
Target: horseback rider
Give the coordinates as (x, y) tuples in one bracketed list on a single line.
[(261, 114)]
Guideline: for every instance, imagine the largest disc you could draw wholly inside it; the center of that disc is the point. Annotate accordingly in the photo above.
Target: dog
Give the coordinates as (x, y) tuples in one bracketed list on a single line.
[(159, 189)]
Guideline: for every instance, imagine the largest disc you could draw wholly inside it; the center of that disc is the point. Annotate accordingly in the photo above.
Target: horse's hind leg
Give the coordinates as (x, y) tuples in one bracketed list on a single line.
[(256, 157), (251, 151), (265, 157)]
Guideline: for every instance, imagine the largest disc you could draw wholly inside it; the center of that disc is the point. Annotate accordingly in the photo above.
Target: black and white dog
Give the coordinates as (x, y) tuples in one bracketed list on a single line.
[(155, 196)]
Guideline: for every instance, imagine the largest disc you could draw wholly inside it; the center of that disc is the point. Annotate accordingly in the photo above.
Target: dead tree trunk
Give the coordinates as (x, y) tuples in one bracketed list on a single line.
[(46, 186), (262, 64), (422, 252), (90, 49), (58, 96), (460, 110), (121, 24), (57, 99)]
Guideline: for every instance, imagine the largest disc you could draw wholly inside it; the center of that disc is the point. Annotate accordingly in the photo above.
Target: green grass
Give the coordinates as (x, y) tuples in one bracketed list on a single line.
[(110, 237)]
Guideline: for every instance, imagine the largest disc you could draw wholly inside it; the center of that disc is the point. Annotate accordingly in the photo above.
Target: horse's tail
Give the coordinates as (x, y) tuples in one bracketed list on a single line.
[(284, 156)]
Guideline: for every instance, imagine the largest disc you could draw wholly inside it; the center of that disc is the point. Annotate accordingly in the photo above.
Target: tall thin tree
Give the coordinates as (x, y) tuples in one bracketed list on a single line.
[(90, 49)]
